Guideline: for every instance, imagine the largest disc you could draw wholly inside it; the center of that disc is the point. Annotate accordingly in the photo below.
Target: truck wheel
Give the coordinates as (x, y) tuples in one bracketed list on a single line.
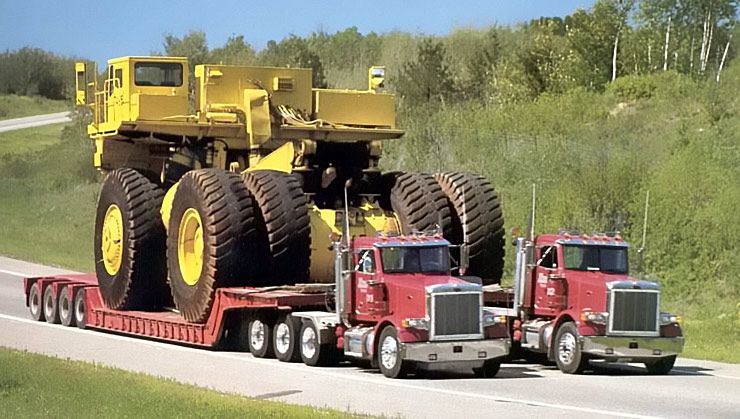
[(662, 366), (66, 307), (285, 336), (283, 225), (130, 242), (419, 203), (312, 353), (80, 309), (50, 306), (568, 355), (489, 369), (260, 339), (35, 304), (476, 212), (389, 354), (210, 239)]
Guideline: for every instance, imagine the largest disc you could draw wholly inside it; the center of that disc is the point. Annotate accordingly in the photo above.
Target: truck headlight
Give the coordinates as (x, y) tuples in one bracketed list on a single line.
[(491, 317), (598, 317), (411, 323), (668, 318)]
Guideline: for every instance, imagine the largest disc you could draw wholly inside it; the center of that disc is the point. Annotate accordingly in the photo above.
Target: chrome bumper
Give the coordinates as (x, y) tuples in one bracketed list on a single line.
[(473, 352), (633, 349)]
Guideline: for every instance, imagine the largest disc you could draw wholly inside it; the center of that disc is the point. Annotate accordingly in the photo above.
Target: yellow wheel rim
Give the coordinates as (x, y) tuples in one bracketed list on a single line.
[(112, 243), (190, 246)]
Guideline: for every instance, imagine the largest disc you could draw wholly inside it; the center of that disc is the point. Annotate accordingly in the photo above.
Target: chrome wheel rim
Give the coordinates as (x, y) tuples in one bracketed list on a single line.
[(35, 303), (80, 310), (282, 338), (389, 352), (257, 335), (566, 348), (64, 304), (49, 305), (308, 343)]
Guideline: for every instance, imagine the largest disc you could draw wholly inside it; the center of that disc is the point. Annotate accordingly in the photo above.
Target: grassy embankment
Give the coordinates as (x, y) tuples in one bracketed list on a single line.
[(39, 386), (12, 106)]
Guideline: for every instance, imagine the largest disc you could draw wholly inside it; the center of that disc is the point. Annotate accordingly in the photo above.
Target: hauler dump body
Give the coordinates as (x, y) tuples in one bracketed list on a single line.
[(393, 303), (574, 301)]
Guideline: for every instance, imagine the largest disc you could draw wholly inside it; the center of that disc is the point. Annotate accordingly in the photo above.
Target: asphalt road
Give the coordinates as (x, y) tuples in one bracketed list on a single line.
[(693, 389), (34, 121)]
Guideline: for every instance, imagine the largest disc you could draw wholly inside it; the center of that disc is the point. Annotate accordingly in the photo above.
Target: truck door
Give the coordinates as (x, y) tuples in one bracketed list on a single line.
[(116, 101), (551, 288), (369, 292)]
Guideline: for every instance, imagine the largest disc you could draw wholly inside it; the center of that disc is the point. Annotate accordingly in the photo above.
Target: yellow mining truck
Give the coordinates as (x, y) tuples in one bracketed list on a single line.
[(238, 176)]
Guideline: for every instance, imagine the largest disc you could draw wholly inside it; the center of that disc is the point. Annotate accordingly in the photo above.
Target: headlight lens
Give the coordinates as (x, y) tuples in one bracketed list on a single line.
[(597, 317), (411, 323), (668, 318)]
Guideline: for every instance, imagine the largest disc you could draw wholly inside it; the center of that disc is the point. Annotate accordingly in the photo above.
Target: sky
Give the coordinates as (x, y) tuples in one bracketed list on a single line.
[(102, 29)]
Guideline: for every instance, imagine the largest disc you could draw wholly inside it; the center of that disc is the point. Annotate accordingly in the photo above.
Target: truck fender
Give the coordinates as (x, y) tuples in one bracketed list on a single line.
[(324, 322)]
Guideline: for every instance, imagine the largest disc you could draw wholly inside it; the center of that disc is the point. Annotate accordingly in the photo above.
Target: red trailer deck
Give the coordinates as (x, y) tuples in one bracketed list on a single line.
[(162, 325)]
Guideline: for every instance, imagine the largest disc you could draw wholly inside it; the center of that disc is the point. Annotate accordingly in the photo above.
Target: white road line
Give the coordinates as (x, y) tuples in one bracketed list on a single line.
[(383, 381), (14, 273)]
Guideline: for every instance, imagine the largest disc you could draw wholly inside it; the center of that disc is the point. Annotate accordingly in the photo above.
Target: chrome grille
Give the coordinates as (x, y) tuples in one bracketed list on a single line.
[(634, 312), (456, 315)]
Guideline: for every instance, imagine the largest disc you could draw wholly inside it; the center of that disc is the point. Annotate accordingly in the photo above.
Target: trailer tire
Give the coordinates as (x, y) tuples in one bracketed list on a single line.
[(474, 202), (282, 222), (419, 203), (80, 313), (313, 353), (662, 366), (489, 369), (51, 312), (568, 355), (285, 337), (260, 339), (210, 240), (35, 303), (130, 242), (66, 307), (389, 354)]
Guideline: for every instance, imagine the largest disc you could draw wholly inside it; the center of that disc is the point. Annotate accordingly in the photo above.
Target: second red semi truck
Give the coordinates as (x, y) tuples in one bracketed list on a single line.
[(394, 303)]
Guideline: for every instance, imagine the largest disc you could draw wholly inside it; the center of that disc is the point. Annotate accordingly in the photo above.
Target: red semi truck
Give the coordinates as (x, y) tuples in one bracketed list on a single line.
[(394, 303), (574, 301)]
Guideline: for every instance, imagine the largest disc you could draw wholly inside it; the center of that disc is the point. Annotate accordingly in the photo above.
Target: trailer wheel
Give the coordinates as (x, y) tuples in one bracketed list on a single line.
[(419, 203), (210, 239), (80, 313), (260, 339), (476, 218), (662, 366), (285, 337), (66, 307), (489, 369), (568, 355), (389, 354), (50, 306), (34, 303), (313, 353), (283, 225), (130, 242)]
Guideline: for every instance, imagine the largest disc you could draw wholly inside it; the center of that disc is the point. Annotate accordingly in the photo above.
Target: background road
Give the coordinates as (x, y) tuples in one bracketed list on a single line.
[(693, 389), (34, 121)]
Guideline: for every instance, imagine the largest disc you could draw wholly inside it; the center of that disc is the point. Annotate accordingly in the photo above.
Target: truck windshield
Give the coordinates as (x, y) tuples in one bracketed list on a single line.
[(158, 74), (596, 258), (416, 259)]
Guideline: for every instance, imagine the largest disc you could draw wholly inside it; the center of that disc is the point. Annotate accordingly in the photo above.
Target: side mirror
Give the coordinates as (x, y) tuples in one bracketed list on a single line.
[(376, 78), (81, 84)]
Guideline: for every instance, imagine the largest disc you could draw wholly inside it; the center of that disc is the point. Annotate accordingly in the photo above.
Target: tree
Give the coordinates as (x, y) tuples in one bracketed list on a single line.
[(193, 46), (235, 51), (294, 51), (427, 79)]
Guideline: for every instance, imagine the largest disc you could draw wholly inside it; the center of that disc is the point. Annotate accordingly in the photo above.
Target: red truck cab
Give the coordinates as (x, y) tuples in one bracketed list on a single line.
[(399, 306), (576, 301)]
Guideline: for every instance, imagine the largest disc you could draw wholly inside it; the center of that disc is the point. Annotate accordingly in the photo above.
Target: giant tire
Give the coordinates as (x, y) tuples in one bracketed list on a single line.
[(283, 226), (130, 242), (210, 239), (419, 203), (474, 202)]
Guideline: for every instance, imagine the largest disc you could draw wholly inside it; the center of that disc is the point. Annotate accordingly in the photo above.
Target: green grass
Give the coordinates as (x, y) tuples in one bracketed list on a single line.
[(712, 329), (12, 106), (30, 140), (40, 386)]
